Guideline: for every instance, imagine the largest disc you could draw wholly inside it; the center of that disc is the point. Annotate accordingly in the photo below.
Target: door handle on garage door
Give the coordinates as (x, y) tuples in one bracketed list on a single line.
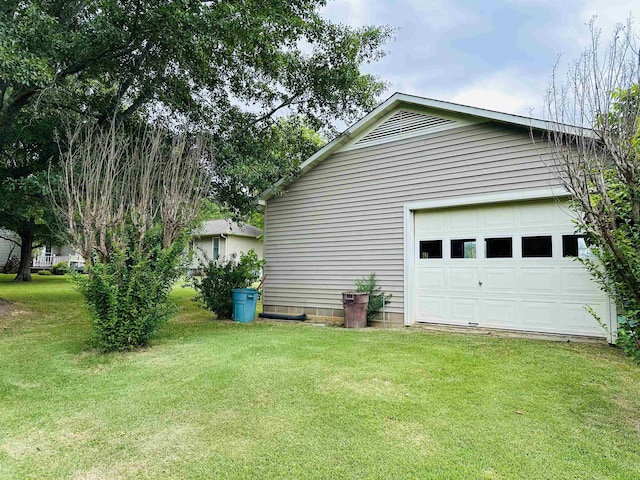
[(480, 283)]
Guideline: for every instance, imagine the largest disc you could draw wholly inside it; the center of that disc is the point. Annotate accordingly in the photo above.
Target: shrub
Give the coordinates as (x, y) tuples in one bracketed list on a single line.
[(128, 293), (45, 272), (221, 276), (60, 268), (377, 298)]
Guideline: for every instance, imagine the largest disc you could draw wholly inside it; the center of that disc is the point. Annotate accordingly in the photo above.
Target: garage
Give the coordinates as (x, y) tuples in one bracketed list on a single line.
[(509, 265), (454, 208)]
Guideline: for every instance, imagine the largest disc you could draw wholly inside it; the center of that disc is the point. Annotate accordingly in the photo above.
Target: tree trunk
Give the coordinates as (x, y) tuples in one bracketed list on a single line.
[(26, 250)]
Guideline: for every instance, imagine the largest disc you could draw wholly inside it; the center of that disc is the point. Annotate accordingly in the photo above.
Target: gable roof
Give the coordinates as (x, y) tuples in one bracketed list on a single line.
[(436, 106), (226, 226)]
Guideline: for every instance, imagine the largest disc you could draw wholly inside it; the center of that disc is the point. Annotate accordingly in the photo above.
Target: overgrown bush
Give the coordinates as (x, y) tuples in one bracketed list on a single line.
[(60, 268), (221, 276), (45, 272), (377, 298), (128, 295), (128, 198)]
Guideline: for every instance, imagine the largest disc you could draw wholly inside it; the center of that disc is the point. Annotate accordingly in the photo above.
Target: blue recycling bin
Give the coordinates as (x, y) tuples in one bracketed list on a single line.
[(244, 304)]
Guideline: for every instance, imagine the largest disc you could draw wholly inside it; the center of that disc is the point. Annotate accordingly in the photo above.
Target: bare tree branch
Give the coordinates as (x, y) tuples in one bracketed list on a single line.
[(10, 239), (594, 132), (112, 180)]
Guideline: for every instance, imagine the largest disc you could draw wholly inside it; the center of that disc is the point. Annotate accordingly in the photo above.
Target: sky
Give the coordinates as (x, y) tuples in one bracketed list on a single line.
[(490, 54)]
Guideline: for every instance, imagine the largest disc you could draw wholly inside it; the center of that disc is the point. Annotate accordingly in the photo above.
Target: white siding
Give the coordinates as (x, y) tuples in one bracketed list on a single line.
[(7, 248), (237, 244), (205, 244), (344, 218), (63, 250), (229, 245)]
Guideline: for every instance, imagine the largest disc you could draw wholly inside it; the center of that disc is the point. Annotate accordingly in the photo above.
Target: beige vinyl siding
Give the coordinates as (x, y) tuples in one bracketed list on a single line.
[(239, 244), (344, 218)]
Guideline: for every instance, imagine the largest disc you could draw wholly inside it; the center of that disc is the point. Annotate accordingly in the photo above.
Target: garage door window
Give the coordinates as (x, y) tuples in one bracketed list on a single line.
[(431, 249), (465, 248), (498, 247), (574, 246), (536, 247)]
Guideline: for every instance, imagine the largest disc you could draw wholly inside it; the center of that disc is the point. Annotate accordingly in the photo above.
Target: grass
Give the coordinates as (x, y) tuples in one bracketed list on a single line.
[(214, 399)]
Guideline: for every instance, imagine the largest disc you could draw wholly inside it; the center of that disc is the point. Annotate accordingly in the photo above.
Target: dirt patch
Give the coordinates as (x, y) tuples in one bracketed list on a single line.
[(9, 313), (5, 307)]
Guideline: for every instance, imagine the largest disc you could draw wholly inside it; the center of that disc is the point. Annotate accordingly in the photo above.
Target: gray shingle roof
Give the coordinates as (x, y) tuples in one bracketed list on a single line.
[(227, 227)]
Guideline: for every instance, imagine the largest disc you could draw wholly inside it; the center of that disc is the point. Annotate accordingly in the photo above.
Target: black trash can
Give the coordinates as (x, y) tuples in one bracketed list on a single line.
[(355, 309)]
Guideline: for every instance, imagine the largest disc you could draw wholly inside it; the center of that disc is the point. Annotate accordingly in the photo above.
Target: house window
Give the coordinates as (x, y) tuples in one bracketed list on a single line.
[(465, 248), (431, 249), (216, 248), (536, 247), (498, 247), (575, 246)]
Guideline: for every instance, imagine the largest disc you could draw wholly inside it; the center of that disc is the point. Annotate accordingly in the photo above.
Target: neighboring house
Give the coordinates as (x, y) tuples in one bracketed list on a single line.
[(216, 238), (43, 258), (7, 247), (223, 238), (453, 207)]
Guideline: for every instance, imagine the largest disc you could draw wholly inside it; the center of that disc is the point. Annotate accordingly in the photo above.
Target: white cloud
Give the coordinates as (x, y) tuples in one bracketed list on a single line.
[(427, 58), (431, 15), (350, 12), (441, 15), (606, 15), (508, 91), (608, 12)]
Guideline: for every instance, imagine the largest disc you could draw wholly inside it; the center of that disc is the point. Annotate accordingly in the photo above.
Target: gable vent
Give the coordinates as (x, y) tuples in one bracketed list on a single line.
[(402, 124)]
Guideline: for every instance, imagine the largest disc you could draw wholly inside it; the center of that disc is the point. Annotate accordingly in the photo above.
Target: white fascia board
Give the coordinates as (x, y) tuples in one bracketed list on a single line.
[(409, 261), (528, 122), (509, 196)]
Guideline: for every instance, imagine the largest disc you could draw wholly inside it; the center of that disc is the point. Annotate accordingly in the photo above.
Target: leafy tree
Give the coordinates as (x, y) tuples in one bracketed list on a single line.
[(595, 129), (282, 147), (26, 210), (25, 200), (230, 68)]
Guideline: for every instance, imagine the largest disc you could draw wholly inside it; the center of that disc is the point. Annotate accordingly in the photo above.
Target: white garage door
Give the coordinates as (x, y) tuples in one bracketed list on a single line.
[(505, 266)]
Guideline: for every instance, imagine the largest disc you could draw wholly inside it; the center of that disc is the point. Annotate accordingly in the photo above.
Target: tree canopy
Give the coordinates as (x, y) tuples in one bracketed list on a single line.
[(229, 68), (215, 63)]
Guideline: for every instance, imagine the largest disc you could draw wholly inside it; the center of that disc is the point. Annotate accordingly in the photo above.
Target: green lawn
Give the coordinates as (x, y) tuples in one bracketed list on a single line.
[(214, 399)]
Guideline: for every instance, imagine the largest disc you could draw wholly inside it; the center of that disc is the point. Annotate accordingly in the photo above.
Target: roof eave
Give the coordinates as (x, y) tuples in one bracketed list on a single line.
[(403, 98), (337, 142)]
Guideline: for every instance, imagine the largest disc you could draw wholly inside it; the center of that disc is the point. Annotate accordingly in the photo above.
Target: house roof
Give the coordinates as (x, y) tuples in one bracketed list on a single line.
[(226, 226), (399, 99)]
